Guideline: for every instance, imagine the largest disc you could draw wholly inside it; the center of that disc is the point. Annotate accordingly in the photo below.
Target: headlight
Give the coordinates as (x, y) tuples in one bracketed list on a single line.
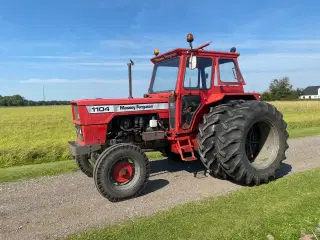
[(76, 112), (79, 132)]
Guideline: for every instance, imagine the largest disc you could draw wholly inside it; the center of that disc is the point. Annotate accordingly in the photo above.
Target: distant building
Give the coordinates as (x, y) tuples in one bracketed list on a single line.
[(311, 92)]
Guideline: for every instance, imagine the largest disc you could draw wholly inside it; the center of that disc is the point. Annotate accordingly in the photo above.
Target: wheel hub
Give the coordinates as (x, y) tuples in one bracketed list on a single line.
[(122, 172), (252, 143)]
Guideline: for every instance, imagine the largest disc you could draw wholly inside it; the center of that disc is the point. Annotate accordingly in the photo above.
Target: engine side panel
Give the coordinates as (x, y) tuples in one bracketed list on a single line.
[(108, 124), (102, 114)]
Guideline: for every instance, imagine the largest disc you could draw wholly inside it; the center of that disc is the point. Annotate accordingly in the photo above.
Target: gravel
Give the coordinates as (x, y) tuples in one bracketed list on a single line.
[(54, 207)]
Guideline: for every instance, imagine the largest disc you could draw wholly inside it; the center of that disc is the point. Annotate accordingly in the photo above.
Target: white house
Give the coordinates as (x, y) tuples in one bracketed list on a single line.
[(311, 92)]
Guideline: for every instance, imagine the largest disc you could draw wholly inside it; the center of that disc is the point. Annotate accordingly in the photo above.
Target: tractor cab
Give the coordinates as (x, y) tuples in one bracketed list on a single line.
[(191, 78)]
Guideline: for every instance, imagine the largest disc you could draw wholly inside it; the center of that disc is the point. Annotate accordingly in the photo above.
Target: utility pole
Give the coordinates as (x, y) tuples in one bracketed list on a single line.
[(44, 97)]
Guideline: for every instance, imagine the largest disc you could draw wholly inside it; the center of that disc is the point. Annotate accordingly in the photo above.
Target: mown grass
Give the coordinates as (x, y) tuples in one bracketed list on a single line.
[(304, 132), (37, 170), (32, 135), (283, 209)]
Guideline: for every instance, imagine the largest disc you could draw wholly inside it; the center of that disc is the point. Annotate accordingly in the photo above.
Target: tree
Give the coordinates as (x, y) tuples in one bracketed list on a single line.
[(265, 96), (280, 88), (18, 100), (299, 91)]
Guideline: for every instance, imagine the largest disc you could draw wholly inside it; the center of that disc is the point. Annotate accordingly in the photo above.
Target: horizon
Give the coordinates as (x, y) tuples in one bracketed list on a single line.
[(81, 50)]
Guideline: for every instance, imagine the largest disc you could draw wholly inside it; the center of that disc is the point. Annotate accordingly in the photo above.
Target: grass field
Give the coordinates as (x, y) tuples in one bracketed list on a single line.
[(283, 209), (34, 135), (31, 135)]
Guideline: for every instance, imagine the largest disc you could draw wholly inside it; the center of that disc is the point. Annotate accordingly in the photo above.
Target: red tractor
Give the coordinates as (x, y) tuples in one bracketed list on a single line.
[(195, 108)]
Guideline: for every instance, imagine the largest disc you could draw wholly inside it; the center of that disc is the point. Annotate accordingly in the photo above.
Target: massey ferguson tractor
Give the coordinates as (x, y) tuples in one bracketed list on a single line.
[(195, 108)]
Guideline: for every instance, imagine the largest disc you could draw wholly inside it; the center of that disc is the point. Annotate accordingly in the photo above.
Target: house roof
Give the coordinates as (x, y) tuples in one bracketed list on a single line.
[(311, 90)]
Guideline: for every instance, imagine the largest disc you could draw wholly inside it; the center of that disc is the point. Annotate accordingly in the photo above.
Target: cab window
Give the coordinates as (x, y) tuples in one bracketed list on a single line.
[(228, 70), (200, 77)]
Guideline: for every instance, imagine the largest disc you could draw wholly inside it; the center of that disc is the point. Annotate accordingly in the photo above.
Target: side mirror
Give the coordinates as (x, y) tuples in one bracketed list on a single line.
[(192, 62)]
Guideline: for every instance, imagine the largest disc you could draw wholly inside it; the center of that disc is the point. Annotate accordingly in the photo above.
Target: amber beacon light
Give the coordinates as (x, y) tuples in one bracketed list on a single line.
[(190, 38), (156, 52)]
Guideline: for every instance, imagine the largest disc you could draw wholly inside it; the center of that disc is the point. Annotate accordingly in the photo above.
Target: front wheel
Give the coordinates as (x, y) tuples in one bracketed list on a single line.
[(121, 171), (85, 165)]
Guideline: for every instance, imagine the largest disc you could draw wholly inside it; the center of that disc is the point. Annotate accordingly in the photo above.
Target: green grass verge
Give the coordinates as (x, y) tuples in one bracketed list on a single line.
[(304, 132), (283, 208), (47, 169), (36, 170)]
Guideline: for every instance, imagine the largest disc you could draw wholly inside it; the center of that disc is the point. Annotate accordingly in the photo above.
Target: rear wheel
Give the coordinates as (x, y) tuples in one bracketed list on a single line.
[(207, 140), (250, 140), (121, 172)]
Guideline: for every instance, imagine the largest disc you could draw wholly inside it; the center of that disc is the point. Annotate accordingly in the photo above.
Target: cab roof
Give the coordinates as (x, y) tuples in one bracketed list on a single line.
[(184, 51)]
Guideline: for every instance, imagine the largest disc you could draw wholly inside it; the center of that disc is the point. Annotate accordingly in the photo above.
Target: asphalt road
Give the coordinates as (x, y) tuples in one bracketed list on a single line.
[(52, 207)]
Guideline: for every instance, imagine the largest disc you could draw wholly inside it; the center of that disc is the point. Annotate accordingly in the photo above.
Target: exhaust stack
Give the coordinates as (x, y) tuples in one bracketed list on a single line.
[(130, 77)]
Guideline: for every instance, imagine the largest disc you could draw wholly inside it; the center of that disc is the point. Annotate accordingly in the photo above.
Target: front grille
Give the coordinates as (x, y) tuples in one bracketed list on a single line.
[(79, 132)]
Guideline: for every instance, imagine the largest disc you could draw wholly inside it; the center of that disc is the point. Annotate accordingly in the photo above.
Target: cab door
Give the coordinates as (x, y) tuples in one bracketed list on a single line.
[(194, 87)]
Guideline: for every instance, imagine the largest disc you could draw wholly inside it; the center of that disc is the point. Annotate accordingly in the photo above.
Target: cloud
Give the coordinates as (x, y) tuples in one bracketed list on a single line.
[(103, 64), (115, 64), (266, 17), (131, 57), (120, 4), (3, 48), (279, 62), (87, 65), (62, 80), (120, 43), (260, 69), (86, 56), (49, 57), (263, 46)]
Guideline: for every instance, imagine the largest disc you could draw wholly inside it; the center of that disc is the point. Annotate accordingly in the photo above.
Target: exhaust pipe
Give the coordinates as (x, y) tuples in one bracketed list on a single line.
[(130, 77)]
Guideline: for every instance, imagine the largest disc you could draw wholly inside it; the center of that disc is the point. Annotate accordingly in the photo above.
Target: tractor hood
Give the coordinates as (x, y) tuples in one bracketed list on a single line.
[(118, 101), (122, 104)]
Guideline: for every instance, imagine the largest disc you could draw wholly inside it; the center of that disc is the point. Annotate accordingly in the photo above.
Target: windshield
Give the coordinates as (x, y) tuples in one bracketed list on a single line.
[(165, 76)]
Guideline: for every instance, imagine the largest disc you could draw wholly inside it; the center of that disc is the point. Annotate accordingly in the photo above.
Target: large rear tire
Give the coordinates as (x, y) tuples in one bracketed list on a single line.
[(121, 171), (247, 139), (207, 140)]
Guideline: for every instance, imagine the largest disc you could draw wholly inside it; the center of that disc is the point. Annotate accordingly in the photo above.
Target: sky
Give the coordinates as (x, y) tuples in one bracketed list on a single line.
[(80, 49)]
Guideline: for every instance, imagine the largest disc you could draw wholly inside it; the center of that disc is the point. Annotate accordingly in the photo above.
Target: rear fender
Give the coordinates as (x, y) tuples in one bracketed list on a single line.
[(215, 100)]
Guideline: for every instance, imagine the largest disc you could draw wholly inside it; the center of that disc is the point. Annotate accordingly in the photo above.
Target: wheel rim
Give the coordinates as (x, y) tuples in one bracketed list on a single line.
[(262, 144), (122, 171), (253, 143)]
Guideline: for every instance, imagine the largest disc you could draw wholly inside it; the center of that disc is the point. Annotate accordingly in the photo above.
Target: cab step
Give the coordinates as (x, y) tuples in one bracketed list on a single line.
[(185, 149)]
